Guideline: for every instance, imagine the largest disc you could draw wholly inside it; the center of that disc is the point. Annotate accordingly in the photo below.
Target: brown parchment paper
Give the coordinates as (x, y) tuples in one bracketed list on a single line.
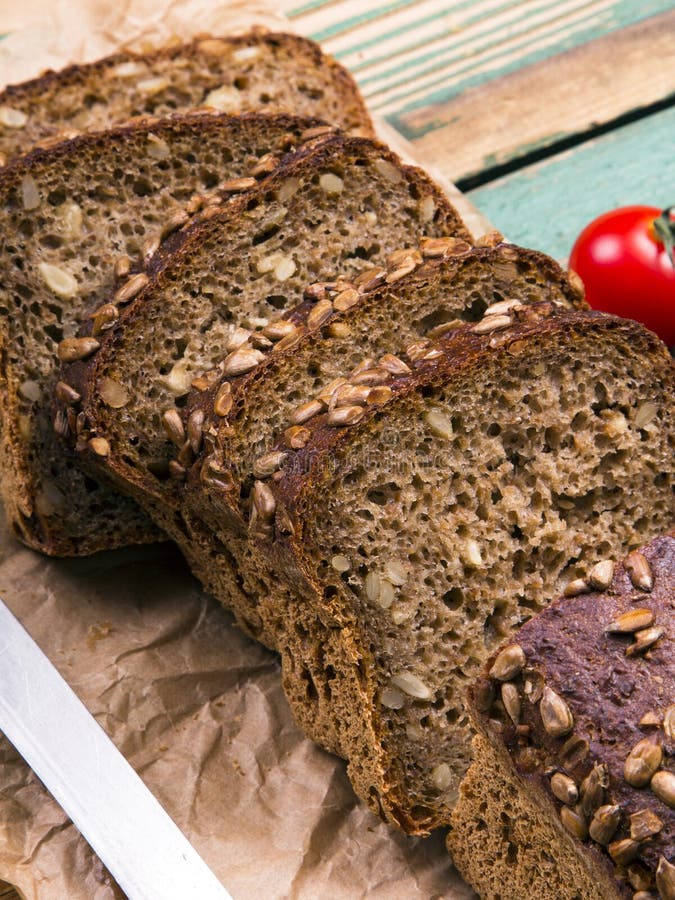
[(195, 706)]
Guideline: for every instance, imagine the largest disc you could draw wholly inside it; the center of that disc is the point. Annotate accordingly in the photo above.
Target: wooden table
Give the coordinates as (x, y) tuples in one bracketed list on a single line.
[(545, 112)]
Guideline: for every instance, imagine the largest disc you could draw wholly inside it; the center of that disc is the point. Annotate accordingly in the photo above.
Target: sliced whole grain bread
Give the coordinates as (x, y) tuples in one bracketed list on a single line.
[(234, 74), (572, 791), (312, 351), (405, 541), (342, 204), (75, 218)]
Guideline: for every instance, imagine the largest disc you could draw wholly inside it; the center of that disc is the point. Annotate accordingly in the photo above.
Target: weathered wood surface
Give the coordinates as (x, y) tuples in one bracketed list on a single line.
[(545, 205)]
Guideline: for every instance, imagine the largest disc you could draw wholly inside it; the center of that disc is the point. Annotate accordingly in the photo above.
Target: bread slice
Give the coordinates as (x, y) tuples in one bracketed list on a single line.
[(322, 342), (254, 71), (405, 541), (342, 204), (71, 218), (572, 790)]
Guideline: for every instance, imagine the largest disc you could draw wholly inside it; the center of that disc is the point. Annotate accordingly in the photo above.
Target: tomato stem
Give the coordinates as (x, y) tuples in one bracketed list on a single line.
[(664, 227)]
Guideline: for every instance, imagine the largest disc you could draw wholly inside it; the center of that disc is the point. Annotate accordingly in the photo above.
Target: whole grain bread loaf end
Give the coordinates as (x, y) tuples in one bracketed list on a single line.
[(407, 540), (74, 221), (234, 74), (572, 790), (417, 297), (342, 204)]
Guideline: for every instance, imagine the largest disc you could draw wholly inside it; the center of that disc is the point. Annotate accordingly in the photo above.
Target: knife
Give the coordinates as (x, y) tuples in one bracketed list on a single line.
[(137, 841)]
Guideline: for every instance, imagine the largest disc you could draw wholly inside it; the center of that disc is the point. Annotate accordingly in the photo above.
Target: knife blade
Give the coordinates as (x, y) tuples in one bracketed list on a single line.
[(135, 838)]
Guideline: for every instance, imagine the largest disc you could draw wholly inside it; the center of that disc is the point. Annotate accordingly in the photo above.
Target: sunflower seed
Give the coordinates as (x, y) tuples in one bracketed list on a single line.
[(441, 777), (296, 437), (604, 823), (345, 415), (412, 685), (511, 700), (223, 401), (346, 299), (555, 713), (372, 377), (310, 134), (633, 620), (665, 879), (340, 564), (574, 823), (377, 396), (104, 318), (195, 425), (275, 331), (669, 722), (131, 288), (593, 788), (173, 425), (650, 720), (644, 639), (320, 313), (564, 788), (663, 785), (576, 587), (492, 323), (30, 195), (58, 280), (391, 697), (242, 361), (264, 502), (72, 349), (176, 471), (600, 576), (99, 446), (237, 185), (369, 279), (439, 424), (443, 246), (623, 851), (645, 413), (574, 751), (639, 571), (508, 663), (237, 338), (644, 824), (268, 464), (305, 412), (65, 393), (642, 762), (502, 307), (113, 394), (12, 118), (350, 395), (265, 165), (394, 365)]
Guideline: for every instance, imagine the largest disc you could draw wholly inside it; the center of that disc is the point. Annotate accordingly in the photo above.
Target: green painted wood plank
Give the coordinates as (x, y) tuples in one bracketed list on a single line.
[(546, 205)]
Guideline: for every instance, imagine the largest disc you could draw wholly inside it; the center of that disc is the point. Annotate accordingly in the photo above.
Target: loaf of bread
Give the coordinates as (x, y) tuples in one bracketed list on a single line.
[(254, 71), (74, 220), (409, 536), (343, 204), (323, 340), (572, 790)]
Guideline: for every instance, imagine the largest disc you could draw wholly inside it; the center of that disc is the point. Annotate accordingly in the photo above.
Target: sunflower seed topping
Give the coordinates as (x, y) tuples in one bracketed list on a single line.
[(642, 762), (555, 713), (443, 246), (345, 415), (394, 365), (391, 697), (644, 639), (72, 349), (644, 824), (346, 299), (268, 464), (623, 851), (665, 879), (574, 823), (113, 394), (340, 564), (264, 502), (439, 424), (441, 777), (639, 571), (604, 823), (645, 413), (669, 722), (320, 313), (633, 620), (305, 412), (372, 377), (223, 401), (509, 663), (99, 446), (173, 425), (66, 394), (104, 318), (242, 361), (511, 700), (131, 288), (576, 587), (58, 280), (194, 429), (663, 785), (564, 788), (600, 576), (296, 437), (593, 789)]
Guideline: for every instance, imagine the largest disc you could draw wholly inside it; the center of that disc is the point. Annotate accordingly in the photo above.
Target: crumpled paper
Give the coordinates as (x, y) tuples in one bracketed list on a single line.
[(194, 705)]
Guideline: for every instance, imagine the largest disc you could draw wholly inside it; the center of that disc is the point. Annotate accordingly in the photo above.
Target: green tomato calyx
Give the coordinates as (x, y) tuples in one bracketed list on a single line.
[(664, 226)]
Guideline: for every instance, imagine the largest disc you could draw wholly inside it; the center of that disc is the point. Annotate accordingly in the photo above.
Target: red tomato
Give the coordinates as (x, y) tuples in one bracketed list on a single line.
[(623, 260)]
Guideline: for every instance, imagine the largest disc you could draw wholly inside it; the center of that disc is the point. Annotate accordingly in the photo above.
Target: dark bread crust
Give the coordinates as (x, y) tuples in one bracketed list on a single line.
[(608, 693), (318, 626), (53, 88), (70, 170), (167, 267)]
